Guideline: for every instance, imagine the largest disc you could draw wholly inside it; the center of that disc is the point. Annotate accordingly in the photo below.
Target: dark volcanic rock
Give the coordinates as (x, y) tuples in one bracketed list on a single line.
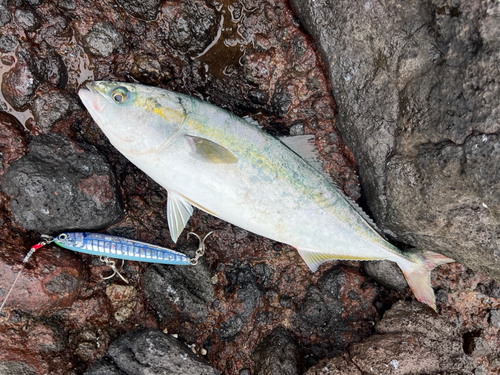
[(27, 19), (416, 85), (16, 368), (102, 40), (193, 29), (5, 16), (179, 291), (145, 9), (20, 83), (12, 141), (104, 366), (148, 70), (153, 352), (386, 273), (277, 354), (60, 185), (52, 106), (8, 43)]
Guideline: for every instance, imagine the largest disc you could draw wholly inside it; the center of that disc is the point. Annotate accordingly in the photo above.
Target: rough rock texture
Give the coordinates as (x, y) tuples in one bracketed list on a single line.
[(12, 141), (52, 106), (60, 185), (386, 273), (416, 84), (151, 352), (277, 354)]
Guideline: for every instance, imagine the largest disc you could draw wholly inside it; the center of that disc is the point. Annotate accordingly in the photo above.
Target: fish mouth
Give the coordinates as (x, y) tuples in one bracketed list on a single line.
[(92, 98)]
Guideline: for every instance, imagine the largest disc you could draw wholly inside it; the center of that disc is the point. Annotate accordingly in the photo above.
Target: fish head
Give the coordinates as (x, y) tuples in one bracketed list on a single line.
[(136, 119)]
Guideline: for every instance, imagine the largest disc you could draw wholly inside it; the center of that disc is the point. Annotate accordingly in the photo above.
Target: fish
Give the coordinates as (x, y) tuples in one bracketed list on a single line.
[(211, 159)]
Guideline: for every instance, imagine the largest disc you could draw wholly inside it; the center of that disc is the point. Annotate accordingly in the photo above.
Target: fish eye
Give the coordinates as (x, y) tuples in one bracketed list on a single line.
[(120, 95)]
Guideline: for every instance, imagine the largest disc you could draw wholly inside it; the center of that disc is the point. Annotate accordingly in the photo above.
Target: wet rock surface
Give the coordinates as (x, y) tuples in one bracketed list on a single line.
[(151, 352), (418, 97), (254, 59), (60, 185)]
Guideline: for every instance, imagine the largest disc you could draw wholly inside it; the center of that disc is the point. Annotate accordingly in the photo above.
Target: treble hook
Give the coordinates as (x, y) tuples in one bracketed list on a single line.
[(201, 247), (112, 264)]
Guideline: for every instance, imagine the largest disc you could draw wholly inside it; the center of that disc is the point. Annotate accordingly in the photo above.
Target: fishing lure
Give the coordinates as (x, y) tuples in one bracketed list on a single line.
[(107, 245)]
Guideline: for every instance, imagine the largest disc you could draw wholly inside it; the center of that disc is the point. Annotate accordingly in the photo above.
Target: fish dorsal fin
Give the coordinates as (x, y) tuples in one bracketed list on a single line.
[(303, 145), (210, 151), (178, 213), (364, 215)]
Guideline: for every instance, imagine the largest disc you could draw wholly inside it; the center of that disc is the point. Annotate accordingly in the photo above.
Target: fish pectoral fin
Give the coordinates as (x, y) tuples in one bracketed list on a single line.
[(178, 213), (314, 259), (210, 151)]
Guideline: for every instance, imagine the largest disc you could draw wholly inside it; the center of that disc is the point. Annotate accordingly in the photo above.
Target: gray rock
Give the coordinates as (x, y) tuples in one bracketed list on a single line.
[(277, 354), (27, 19), (416, 85), (148, 70), (412, 340), (52, 106), (146, 9), (67, 4), (5, 16), (47, 65), (179, 292), (16, 368), (148, 351), (281, 101), (386, 273), (60, 185), (495, 318), (104, 366), (102, 40), (193, 29), (8, 43)]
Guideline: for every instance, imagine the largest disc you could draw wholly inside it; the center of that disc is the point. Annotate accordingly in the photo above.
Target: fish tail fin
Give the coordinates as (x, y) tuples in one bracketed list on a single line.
[(418, 274)]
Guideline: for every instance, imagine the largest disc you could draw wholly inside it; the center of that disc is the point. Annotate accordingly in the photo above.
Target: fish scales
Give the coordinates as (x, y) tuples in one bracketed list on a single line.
[(207, 157)]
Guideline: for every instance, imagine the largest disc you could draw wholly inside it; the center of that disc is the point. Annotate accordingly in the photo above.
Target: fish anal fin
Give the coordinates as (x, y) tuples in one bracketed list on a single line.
[(314, 259), (178, 213), (210, 151)]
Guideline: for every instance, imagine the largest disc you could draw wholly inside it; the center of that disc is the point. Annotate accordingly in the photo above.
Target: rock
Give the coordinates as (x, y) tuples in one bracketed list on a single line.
[(46, 335), (16, 368), (147, 9), (27, 19), (277, 354), (20, 83), (5, 16), (66, 4), (241, 280), (8, 43), (313, 309), (178, 292), (411, 340), (149, 351), (194, 28), (386, 273), (102, 40), (281, 101), (12, 141), (148, 70), (258, 96), (495, 318), (416, 90), (60, 185), (49, 67), (104, 366), (52, 106), (334, 366)]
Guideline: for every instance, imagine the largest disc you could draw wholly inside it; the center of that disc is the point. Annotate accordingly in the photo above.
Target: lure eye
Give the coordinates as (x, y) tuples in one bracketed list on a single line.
[(120, 95)]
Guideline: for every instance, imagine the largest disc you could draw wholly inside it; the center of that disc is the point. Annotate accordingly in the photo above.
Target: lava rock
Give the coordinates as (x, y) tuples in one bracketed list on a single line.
[(146, 9), (281, 101), (415, 95), (27, 19), (179, 292), (495, 318), (60, 185), (51, 107), (258, 96), (12, 141), (47, 335), (386, 273), (411, 340), (20, 83), (313, 309), (8, 43), (150, 351), (67, 4), (334, 366), (148, 70), (277, 354), (194, 28), (241, 279), (102, 40), (16, 368), (104, 366), (5, 16), (49, 67)]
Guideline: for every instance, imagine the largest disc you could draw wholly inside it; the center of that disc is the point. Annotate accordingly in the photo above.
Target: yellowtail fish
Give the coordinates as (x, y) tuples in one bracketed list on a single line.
[(211, 159)]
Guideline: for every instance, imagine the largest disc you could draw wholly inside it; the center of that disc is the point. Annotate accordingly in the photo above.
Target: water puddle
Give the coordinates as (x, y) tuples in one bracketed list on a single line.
[(227, 48)]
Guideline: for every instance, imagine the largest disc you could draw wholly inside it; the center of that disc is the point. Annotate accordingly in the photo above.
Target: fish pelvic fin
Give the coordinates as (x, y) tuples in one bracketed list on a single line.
[(418, 274)]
